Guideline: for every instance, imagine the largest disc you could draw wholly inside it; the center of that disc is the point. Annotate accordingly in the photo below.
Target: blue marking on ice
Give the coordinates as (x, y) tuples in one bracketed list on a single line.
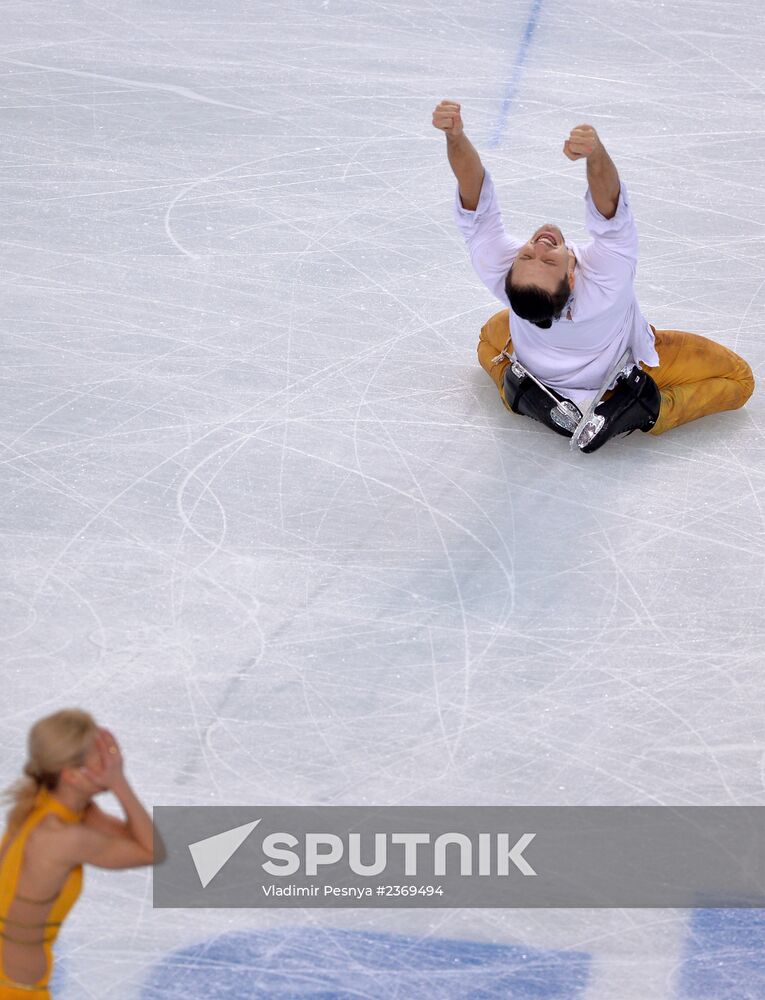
[(59, 978), (724, 957), (514, 81), (310, 964)]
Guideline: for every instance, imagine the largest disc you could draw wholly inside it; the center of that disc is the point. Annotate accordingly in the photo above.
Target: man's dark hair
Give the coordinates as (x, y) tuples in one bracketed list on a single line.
[(535, 304)]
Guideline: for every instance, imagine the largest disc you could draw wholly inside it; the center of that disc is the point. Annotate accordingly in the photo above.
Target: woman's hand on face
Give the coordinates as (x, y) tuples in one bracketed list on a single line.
[(108, 770)]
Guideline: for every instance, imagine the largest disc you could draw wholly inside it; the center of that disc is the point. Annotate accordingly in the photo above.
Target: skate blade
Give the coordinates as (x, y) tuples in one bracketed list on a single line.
[(566, 416), (623, 363), (590, 431)]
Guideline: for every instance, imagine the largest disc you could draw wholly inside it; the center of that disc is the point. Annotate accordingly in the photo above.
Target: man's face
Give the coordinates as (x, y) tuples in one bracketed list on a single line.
[(543, 261)]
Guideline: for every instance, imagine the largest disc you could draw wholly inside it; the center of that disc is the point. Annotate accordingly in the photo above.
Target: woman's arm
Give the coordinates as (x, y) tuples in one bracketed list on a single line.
[(96, 819), (138, 823), (104, 840), (78, 844)]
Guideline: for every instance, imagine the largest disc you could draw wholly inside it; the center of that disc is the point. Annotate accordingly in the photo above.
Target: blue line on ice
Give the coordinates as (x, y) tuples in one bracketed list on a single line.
[(723, 958), (515, 77), (306, 963)]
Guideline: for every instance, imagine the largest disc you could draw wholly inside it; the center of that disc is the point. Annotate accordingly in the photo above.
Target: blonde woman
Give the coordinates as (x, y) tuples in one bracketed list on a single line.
[(54, 828)]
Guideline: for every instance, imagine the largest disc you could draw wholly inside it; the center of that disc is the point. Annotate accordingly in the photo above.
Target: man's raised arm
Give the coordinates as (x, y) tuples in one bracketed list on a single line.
[(602, 176), (463, 158)]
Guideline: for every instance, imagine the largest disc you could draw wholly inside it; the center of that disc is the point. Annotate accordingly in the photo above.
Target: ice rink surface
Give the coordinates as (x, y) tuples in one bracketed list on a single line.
[(265, 516)]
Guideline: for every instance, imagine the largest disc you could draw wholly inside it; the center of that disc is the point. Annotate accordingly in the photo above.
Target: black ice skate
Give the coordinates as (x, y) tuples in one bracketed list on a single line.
[(632, 406), (527, 395)]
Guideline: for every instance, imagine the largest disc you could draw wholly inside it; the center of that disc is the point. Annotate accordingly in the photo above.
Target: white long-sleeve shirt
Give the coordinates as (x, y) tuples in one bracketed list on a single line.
[(575, 354)]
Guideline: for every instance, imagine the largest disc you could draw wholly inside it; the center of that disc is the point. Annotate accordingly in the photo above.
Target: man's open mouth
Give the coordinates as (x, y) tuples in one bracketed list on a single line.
[(547, 238)]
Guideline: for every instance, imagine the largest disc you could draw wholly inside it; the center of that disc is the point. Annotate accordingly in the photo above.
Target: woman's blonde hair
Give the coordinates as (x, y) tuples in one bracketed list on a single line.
[(55, 742)]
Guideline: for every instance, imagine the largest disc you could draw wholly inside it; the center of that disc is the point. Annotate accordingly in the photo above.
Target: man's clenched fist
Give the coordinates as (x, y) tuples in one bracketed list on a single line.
[(447, 118), (583, 141)]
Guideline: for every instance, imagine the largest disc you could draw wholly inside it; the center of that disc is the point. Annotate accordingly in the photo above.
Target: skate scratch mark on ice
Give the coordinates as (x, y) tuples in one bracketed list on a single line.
[(134, 25), (188, 188), (455, 582), (168, 88), (407, 495), (437, 703), (661, 56), (348, 263), (205, 492), (233, 447), (307, 384), (513, 83), (250, 611), (684, 39), (620, 573), (433, 511), (454, 488), (746, 313), (686, 724), (504, 611), (746, 472), (318, 242), (270, 421)]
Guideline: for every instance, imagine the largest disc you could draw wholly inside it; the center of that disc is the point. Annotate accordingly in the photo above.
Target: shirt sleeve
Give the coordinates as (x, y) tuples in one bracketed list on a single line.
[(614, 241), (491, 249)]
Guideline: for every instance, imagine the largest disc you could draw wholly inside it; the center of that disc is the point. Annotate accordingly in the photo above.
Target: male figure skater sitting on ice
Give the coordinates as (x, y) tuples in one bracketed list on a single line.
[(574, 329)]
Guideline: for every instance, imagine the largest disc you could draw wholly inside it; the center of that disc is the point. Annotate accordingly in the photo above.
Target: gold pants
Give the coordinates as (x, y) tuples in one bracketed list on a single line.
[(695, 375)]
